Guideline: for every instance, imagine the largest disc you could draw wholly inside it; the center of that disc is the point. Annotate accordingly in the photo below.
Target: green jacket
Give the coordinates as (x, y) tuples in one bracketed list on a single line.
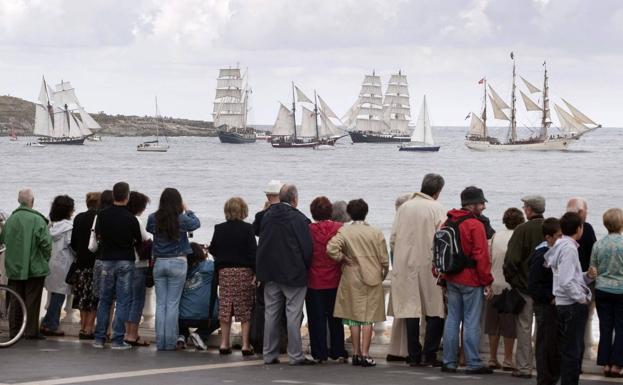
[(28, 244), (522, 244)]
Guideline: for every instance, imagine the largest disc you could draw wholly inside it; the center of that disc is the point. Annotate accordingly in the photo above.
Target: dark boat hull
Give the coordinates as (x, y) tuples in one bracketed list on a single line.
[(368, 137), (236, 138), (301, 144), (419, 149), (72, 141)]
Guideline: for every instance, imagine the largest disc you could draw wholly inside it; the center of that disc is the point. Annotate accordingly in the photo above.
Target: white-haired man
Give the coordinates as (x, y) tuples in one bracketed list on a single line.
[(28, 249)]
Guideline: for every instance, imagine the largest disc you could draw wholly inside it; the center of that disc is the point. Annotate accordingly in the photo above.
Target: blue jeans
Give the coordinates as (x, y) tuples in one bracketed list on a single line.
[(464, 304), (115, 281), (169, 279), (52, 319), (137, 300)]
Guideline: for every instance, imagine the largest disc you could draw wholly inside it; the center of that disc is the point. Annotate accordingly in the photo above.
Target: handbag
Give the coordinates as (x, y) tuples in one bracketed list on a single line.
[(149, 276), (72, 278), (143, 250)]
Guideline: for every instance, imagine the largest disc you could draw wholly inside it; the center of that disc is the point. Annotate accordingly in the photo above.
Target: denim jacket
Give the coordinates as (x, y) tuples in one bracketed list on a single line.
[(164, 247)]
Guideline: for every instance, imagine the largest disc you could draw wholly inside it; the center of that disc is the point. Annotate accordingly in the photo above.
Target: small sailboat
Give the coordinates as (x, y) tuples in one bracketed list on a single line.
[(155, 145), (35, 145), (422, 137)]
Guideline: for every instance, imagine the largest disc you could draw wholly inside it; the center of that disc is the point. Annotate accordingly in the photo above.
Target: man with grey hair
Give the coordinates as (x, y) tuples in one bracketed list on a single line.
[(283, 257), (414, 291), (28, 250), (521, 245), (578, 205)]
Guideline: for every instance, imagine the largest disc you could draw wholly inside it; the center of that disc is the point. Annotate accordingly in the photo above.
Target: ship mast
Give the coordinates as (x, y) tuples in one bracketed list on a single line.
[(513, 110), (316, 115), (544, 121), (484, 111), (293, 113), (157, 121)]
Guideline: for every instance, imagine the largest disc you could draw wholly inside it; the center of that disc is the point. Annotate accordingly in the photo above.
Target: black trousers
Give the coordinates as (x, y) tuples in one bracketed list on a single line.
[(30, 290), (610, 313), (434, 331), (319, 304), (546, 347), (571, 324)]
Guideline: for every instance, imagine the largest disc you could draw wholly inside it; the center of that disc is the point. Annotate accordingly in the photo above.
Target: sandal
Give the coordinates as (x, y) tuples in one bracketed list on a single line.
[(247, 352), (493, 364), (224, 351)]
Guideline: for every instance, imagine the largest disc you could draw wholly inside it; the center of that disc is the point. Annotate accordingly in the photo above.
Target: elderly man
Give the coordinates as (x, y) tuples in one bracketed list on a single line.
[(272, 197), (414, 291), (283, 258), (585, 248), (522, 244), (28, 249)]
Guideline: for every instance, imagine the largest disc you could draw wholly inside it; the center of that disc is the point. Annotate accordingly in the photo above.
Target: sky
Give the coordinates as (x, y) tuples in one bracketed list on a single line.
[(119, 54)]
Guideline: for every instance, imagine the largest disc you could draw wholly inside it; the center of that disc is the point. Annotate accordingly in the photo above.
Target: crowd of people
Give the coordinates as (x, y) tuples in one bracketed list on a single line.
[(553, 270)]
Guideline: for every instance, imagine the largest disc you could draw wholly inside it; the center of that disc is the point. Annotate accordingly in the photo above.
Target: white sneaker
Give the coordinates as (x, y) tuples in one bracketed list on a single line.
[(197, 341), (180, 343), (122, 346), (98, 345)]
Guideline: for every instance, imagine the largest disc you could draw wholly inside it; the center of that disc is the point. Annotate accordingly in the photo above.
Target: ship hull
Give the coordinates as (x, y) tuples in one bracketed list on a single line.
[(549, 145), (419, 148), (236, 138), (366, 137), (293, 144), (64, 140)]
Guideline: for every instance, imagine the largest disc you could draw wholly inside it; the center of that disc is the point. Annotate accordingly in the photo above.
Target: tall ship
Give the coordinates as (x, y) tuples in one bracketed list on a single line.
[(59, 117), (231, 107), (316, 128), (573, 123), (378, 118)]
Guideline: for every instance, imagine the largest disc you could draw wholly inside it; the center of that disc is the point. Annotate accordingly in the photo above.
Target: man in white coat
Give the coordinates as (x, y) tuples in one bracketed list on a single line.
[(414, 291)]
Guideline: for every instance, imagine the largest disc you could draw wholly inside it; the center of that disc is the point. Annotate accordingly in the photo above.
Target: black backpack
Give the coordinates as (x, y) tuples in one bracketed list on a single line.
[(448, 256)]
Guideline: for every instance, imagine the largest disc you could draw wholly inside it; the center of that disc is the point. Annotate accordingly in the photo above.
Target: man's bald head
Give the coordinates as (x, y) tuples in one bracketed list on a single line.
[(578, 205)]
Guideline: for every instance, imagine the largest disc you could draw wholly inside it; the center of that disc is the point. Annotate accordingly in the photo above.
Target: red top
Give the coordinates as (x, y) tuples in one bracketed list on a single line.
[(324, 273), (474, 244)]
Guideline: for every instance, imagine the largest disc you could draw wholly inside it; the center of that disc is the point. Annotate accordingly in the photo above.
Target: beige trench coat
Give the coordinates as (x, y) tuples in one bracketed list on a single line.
[(414, 290), (363, 251)]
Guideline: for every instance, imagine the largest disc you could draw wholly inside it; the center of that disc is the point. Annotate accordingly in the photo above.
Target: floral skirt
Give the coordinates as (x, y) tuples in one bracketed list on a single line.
[(350, 322), (84, 295), (236, 294)]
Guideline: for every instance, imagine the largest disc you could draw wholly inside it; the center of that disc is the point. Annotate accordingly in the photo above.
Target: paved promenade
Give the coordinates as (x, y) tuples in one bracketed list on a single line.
[(68, 361)]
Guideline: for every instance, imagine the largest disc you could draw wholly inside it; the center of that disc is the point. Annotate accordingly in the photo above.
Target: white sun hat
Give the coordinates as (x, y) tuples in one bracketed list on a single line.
[(274, 186)]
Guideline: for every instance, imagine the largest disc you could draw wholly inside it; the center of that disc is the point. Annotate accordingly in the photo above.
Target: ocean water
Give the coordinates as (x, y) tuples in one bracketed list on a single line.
[(207, 173)]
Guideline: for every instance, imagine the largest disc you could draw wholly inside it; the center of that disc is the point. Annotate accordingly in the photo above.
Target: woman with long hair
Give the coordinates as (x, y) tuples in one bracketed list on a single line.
[(169, 226)]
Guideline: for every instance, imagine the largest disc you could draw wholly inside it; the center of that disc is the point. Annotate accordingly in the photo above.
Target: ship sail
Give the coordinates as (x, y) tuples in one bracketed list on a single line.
[(327, 128), (285, 122), (308, 124), (326, 109), (578, 115), (500, 103), (568, 123), (498, 113), (396, 106), (533, 89), (476, 126), (423, 132), (230, 101), (367, 113), (529, 103), (300, 96)]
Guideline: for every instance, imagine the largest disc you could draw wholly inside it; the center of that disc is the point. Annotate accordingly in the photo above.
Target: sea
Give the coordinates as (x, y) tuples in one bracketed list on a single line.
[(207, 173)]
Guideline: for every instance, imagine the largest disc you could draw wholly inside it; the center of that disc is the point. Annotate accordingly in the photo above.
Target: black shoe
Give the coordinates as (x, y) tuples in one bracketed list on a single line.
[(356, 361), (36, 337), (272, 362), (248, 353), (224, 351), (446, 369), (434, 363), (393, 358), (481, 370), (303, 362), (518, 374), (367, 362)]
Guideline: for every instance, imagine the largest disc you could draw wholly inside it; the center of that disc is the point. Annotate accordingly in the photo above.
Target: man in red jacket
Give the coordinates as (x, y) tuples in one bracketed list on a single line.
[(468, 288)]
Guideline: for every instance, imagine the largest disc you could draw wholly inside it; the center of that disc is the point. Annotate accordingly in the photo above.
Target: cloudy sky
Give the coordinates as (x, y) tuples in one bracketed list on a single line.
[(118, 54)]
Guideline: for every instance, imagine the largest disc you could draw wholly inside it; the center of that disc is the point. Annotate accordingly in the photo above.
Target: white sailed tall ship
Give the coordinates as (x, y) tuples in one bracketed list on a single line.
[(573, 124), (422, 137), (375, 118), (59, 117), (231, 107), (316, 129)]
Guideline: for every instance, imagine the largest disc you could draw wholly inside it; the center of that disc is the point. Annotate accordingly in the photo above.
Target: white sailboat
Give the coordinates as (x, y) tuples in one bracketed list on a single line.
[(422, 137), (231, 107), (375, 118), (155, 145), (573, 124), (59, 117)]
